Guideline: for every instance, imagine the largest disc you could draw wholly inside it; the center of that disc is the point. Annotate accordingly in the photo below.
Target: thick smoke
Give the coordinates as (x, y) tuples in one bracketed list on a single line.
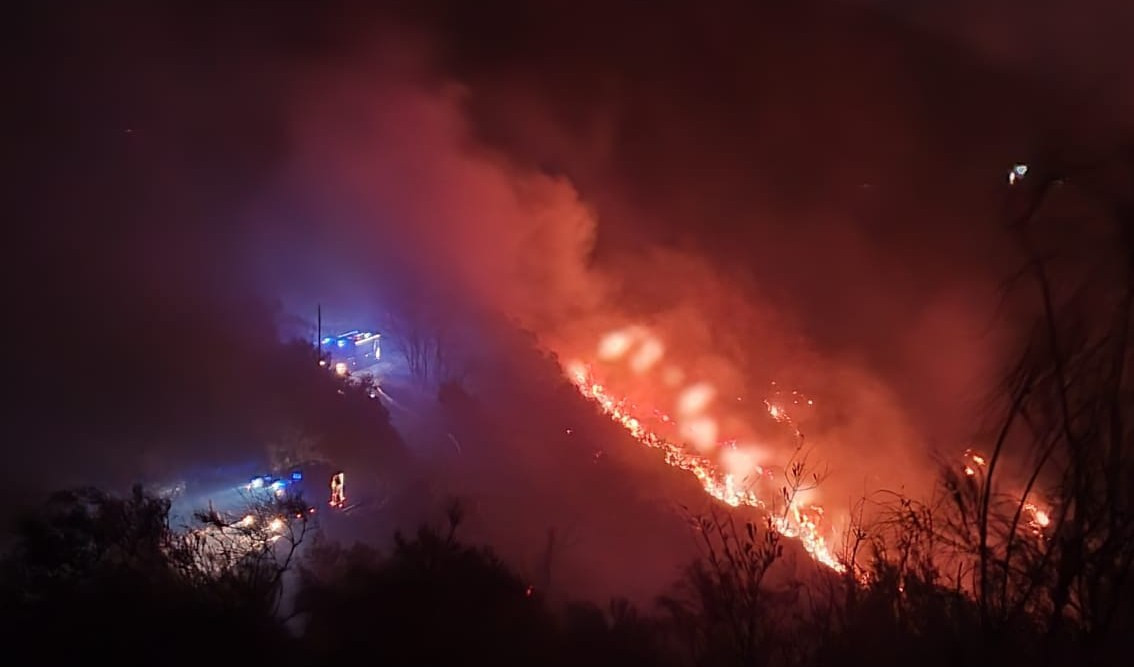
[(390, 157), (385, 155), (848, 250)]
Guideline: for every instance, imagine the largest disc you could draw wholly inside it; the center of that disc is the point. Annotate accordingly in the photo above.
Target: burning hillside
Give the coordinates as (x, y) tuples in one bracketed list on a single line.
[(732, 472), (738, 472)]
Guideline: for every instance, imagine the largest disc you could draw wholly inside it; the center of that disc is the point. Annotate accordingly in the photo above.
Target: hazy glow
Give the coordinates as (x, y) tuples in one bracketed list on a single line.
[(647, 355), (614, 345), (695, 399), (701, 432), (743, 461)]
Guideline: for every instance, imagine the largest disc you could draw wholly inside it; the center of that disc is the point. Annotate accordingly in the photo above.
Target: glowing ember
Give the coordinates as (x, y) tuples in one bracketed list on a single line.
[(801, 523), (973, 463)]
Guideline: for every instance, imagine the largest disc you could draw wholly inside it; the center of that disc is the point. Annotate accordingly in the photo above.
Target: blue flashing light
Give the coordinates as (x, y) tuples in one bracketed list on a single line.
[(278, 484), (296, 476), (342, 343), (327, 340)]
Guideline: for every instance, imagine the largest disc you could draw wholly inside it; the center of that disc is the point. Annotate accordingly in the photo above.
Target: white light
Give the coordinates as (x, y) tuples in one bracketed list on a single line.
[(276, 525), (340, 368), (1019, 171), (367, 337)]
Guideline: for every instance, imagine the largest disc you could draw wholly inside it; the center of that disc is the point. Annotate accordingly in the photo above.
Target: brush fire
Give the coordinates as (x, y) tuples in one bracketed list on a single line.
[(689, 437), (732, 474)]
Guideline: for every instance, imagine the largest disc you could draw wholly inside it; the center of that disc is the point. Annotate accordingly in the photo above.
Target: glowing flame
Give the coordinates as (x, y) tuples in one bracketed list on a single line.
[(800, 523), (1036, 519)]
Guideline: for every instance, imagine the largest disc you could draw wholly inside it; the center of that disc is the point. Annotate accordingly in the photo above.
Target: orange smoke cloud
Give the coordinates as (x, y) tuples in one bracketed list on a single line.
[(392, 155), (693, 344)]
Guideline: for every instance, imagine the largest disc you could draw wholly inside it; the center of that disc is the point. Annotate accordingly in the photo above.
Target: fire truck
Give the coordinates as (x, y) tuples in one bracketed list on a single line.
[(351, 351), (292, 484)]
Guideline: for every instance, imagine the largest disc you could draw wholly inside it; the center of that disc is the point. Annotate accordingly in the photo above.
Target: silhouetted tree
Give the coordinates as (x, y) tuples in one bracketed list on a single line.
[(1070, 415), (432, 601), (720, 603), (96, 578)]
